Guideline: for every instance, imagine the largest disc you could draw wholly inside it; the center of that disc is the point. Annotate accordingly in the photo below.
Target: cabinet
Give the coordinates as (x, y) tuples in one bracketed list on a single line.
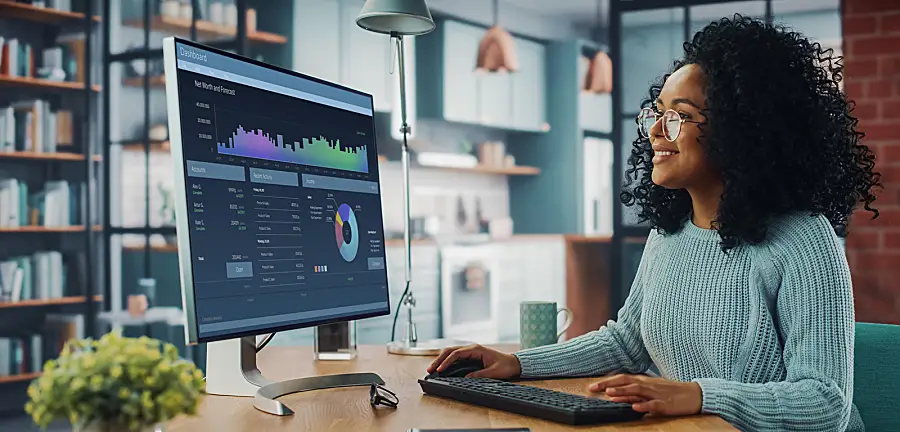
[(449, 88), (317, 37), (495, 99), (365, 58), (329, 45), (594, 110), (533, 270), (460, 87), (528, 84)]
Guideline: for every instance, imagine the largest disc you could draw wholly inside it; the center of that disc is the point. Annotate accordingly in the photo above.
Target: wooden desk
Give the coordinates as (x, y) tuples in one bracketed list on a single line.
[(348, 409)]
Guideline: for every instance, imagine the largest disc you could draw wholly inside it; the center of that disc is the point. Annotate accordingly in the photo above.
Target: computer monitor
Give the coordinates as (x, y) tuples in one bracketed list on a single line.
[(277, 199)]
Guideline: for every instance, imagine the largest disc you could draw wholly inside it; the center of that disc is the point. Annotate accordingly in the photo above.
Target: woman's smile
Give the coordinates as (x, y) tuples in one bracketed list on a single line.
[(662, 154)]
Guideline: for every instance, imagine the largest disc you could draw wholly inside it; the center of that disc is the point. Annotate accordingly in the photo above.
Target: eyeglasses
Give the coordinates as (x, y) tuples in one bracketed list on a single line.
[(379, 395), (671, 123)]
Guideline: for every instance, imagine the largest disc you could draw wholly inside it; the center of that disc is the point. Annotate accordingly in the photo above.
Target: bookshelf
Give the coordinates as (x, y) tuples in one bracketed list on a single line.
[(155, 81), (163, 248), (205, 29), (44, 229), (131, 144), (26, 12), (72, 300), (19, 377), (156, 146), (47, 265), (50, 156), (43, 84)]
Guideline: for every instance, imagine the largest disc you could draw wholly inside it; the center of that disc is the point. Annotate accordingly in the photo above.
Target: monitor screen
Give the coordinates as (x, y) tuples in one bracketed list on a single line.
[(278, 188)]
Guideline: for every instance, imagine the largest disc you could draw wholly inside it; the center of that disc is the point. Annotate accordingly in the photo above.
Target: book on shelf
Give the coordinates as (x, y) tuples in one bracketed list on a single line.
[(74, 48), (57, 63), (21, 355), (32, 126), (26, 353), (42, 276), (60, 5), (57, 204), (16, 58)]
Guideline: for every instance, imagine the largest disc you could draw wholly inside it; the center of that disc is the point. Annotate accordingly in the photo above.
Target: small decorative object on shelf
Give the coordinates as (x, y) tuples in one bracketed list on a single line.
[(336, 341), (230, 14), (217, 12), (137, 305), (159, 132), (115, 384), (170, 8), (251, 20), (147, 287), (186, 11), (167, 211)]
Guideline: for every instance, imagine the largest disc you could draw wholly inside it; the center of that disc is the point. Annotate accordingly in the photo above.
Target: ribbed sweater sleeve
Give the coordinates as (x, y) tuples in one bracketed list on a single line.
[(814, 311), (617, 346)]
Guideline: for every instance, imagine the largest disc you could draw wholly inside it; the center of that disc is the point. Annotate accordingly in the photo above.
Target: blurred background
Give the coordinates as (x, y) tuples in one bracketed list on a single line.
[(515, 174)]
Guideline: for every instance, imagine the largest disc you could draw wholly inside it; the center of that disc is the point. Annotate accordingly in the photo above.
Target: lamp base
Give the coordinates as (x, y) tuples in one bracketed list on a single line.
[(426, 348)]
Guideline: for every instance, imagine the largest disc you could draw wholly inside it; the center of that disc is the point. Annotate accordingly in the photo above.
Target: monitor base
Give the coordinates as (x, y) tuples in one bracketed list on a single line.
[(424, 348), (231, 371), (231, 368), (266, 395)]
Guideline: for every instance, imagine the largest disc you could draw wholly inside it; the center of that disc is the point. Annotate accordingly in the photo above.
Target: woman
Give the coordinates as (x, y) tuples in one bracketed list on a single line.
[(748, 168)]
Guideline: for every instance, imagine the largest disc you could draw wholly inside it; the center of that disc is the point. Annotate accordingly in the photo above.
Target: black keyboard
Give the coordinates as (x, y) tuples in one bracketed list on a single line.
[(530, 401)]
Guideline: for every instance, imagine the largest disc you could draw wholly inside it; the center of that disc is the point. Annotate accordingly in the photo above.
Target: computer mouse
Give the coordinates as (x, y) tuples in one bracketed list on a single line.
[(459, 369)]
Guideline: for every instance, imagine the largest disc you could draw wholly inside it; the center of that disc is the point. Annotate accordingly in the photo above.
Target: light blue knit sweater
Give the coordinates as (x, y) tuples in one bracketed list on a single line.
[(765, 330)]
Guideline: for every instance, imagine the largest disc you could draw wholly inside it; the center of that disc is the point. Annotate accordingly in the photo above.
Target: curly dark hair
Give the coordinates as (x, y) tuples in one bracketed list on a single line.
[(777, 127)]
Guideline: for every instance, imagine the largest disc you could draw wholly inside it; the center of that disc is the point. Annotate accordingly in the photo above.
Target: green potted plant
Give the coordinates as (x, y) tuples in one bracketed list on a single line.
[(115, 384)]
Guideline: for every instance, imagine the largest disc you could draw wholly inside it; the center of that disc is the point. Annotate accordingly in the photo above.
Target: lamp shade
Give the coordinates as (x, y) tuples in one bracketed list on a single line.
[(599, 74), (403, 17)]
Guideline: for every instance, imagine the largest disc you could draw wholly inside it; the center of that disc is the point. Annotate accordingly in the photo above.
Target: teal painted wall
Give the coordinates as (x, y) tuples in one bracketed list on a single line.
[(548, 203)]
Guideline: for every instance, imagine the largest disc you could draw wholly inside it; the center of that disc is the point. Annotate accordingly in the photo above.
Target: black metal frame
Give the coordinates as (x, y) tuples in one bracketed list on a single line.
[(622, 232), (87, 149), (239, 42)]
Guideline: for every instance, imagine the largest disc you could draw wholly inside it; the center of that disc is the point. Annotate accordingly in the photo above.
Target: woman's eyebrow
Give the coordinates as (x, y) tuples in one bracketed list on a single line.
[(677, 101)]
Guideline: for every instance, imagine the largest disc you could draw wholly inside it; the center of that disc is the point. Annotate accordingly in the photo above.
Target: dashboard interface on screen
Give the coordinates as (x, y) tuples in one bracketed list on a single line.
[(284, 212)]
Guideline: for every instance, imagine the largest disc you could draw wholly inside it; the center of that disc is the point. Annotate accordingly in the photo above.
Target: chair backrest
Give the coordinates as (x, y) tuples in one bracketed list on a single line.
[(876, 376)]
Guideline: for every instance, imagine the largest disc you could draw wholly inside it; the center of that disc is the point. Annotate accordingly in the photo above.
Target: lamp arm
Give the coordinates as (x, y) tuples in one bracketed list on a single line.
[(405, 130)]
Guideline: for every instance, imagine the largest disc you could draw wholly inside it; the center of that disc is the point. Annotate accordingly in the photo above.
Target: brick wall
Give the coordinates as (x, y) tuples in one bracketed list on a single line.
[(871, 35)]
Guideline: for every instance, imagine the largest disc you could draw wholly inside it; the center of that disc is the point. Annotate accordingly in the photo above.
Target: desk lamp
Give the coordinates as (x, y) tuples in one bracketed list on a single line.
[(398, 18)]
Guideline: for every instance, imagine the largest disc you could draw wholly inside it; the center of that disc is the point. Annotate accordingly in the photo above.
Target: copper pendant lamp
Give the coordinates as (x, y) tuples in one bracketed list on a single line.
[(599, 75), (497, 50)]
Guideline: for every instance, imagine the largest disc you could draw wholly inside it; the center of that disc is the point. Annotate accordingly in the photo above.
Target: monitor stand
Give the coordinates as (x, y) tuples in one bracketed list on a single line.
[(231, 371)]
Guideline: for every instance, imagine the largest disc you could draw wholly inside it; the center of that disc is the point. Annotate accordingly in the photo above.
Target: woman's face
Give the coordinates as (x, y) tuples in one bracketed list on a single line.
[(681, 164)]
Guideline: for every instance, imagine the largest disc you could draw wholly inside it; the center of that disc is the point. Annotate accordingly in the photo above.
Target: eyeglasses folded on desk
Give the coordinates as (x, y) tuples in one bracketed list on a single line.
[(381, 396)]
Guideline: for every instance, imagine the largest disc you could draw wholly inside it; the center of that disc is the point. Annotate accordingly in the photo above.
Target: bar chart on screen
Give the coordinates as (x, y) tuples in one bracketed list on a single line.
[(239, 134)]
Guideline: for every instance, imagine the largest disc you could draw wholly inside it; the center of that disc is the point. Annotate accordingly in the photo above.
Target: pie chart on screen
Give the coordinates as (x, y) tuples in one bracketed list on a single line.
[(346, 232)]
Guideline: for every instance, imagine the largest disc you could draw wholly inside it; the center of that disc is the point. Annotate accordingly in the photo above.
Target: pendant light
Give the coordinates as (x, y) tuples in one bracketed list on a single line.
[(599, 74), (497, 50)]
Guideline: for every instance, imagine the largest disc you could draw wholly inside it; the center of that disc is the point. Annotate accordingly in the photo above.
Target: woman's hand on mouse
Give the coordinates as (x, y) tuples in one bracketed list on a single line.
[(497, 365)]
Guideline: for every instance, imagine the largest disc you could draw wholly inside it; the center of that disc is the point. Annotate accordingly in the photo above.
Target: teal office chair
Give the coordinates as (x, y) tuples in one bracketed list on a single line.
[(876, 376)]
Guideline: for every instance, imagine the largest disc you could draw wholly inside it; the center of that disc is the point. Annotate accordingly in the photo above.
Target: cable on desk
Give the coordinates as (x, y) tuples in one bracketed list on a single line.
[(397, 311), (264, 342)]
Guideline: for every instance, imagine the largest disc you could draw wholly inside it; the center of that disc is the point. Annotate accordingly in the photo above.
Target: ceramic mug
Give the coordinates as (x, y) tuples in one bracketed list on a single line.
[(537, 323)]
